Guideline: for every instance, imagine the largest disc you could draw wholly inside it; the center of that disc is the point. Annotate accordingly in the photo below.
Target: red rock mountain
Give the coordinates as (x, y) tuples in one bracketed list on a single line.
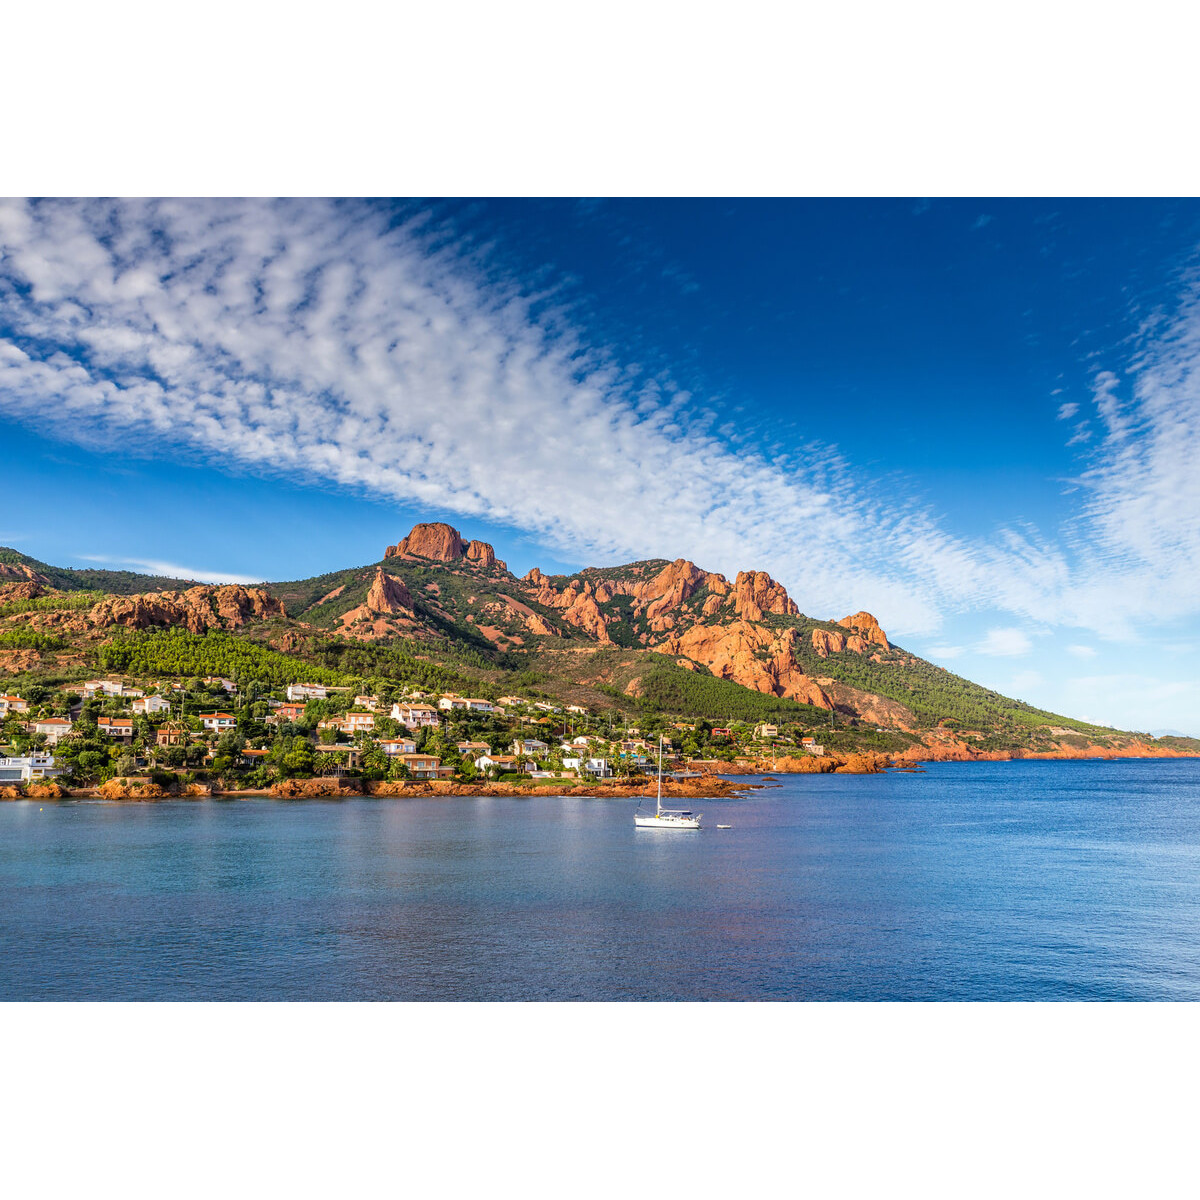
[(443, 543)]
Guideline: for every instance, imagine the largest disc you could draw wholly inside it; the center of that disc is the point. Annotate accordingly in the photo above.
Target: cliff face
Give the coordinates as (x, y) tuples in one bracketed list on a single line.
[(868, 627), (443, 543), (698, 616), (752, 655), (198, 609), (755, 594), (388, 594)]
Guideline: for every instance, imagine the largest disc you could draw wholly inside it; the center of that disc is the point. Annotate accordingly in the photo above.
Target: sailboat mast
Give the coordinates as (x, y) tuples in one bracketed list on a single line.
[(658, 804)]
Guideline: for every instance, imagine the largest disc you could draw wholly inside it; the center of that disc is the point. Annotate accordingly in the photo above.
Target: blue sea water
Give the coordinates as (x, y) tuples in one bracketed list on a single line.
[(985, 881)]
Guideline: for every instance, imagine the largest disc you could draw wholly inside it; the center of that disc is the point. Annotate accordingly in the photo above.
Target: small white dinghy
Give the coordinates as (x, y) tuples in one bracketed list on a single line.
[(724, 826)]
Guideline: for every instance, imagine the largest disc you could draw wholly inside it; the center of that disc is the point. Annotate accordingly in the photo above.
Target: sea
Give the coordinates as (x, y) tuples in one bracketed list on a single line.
[(1071, 880)]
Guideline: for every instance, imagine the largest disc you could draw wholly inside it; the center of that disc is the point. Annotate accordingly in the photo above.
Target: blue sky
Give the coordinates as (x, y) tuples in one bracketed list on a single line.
[(977, 419)]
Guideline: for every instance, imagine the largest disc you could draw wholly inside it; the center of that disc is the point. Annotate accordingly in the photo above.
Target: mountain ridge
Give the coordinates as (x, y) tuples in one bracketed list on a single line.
[(659, 634)]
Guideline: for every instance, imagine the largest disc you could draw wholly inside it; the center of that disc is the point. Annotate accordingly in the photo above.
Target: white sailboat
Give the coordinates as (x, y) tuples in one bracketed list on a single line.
[(666, 818)]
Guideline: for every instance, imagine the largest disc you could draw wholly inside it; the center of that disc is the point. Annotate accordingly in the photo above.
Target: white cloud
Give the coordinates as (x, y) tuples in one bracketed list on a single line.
[(328, 341), (1082, 651), (1067, 411), (1026, 681), (947, 652), (1005, 643), (172, 570)]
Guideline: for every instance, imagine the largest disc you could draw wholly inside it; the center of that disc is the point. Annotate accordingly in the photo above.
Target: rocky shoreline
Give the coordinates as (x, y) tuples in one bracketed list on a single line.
[(711, 783)]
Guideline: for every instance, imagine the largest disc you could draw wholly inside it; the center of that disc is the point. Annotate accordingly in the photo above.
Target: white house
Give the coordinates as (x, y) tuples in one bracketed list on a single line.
[(571, 762), (370, 703), (108, 687), (502, 762), (53, 728), (307, 691), (30, 766), (227, 684), (598, 767), (218, 722), (151, 704), (117, 727), (448, 703), (415, 716), (576, 708)]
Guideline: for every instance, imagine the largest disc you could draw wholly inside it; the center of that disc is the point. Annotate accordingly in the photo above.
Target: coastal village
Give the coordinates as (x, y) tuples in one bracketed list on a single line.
[(437, 668), (214, 733)]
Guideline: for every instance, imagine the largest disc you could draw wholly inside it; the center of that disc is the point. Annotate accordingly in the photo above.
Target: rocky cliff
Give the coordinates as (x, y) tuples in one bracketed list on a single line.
[(388, 594), (443, 543), (196, 609)]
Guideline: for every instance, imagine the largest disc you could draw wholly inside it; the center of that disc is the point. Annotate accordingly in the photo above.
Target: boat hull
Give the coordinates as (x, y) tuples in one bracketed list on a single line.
[(682, 823)]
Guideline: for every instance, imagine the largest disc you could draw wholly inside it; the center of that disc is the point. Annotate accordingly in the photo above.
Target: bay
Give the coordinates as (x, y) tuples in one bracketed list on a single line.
[(981, 881)]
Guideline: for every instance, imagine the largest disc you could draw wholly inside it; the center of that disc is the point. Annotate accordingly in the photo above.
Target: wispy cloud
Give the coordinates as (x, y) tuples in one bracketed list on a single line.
[(1081, 651), (1005, 643), (334, 342), (1067, 411), (1024, 681), (153, 566), (946, 652)]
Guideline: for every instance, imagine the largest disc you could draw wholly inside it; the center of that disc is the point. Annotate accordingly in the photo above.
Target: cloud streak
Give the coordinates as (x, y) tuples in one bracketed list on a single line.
[(154, 566), (334, 342)]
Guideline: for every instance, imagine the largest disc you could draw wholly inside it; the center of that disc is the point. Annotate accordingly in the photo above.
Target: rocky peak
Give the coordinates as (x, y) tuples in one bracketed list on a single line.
[(868, 627), (443, 543), (388, 594), (755, 593), (432, 539)]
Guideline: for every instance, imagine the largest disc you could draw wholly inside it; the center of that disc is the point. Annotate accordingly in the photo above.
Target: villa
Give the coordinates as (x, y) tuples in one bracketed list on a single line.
[(53, 728), (108, 687), (398, 746), (218, 722), (307, 691), (117, 727), (415, 716), (422, 766), (28, 767)]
